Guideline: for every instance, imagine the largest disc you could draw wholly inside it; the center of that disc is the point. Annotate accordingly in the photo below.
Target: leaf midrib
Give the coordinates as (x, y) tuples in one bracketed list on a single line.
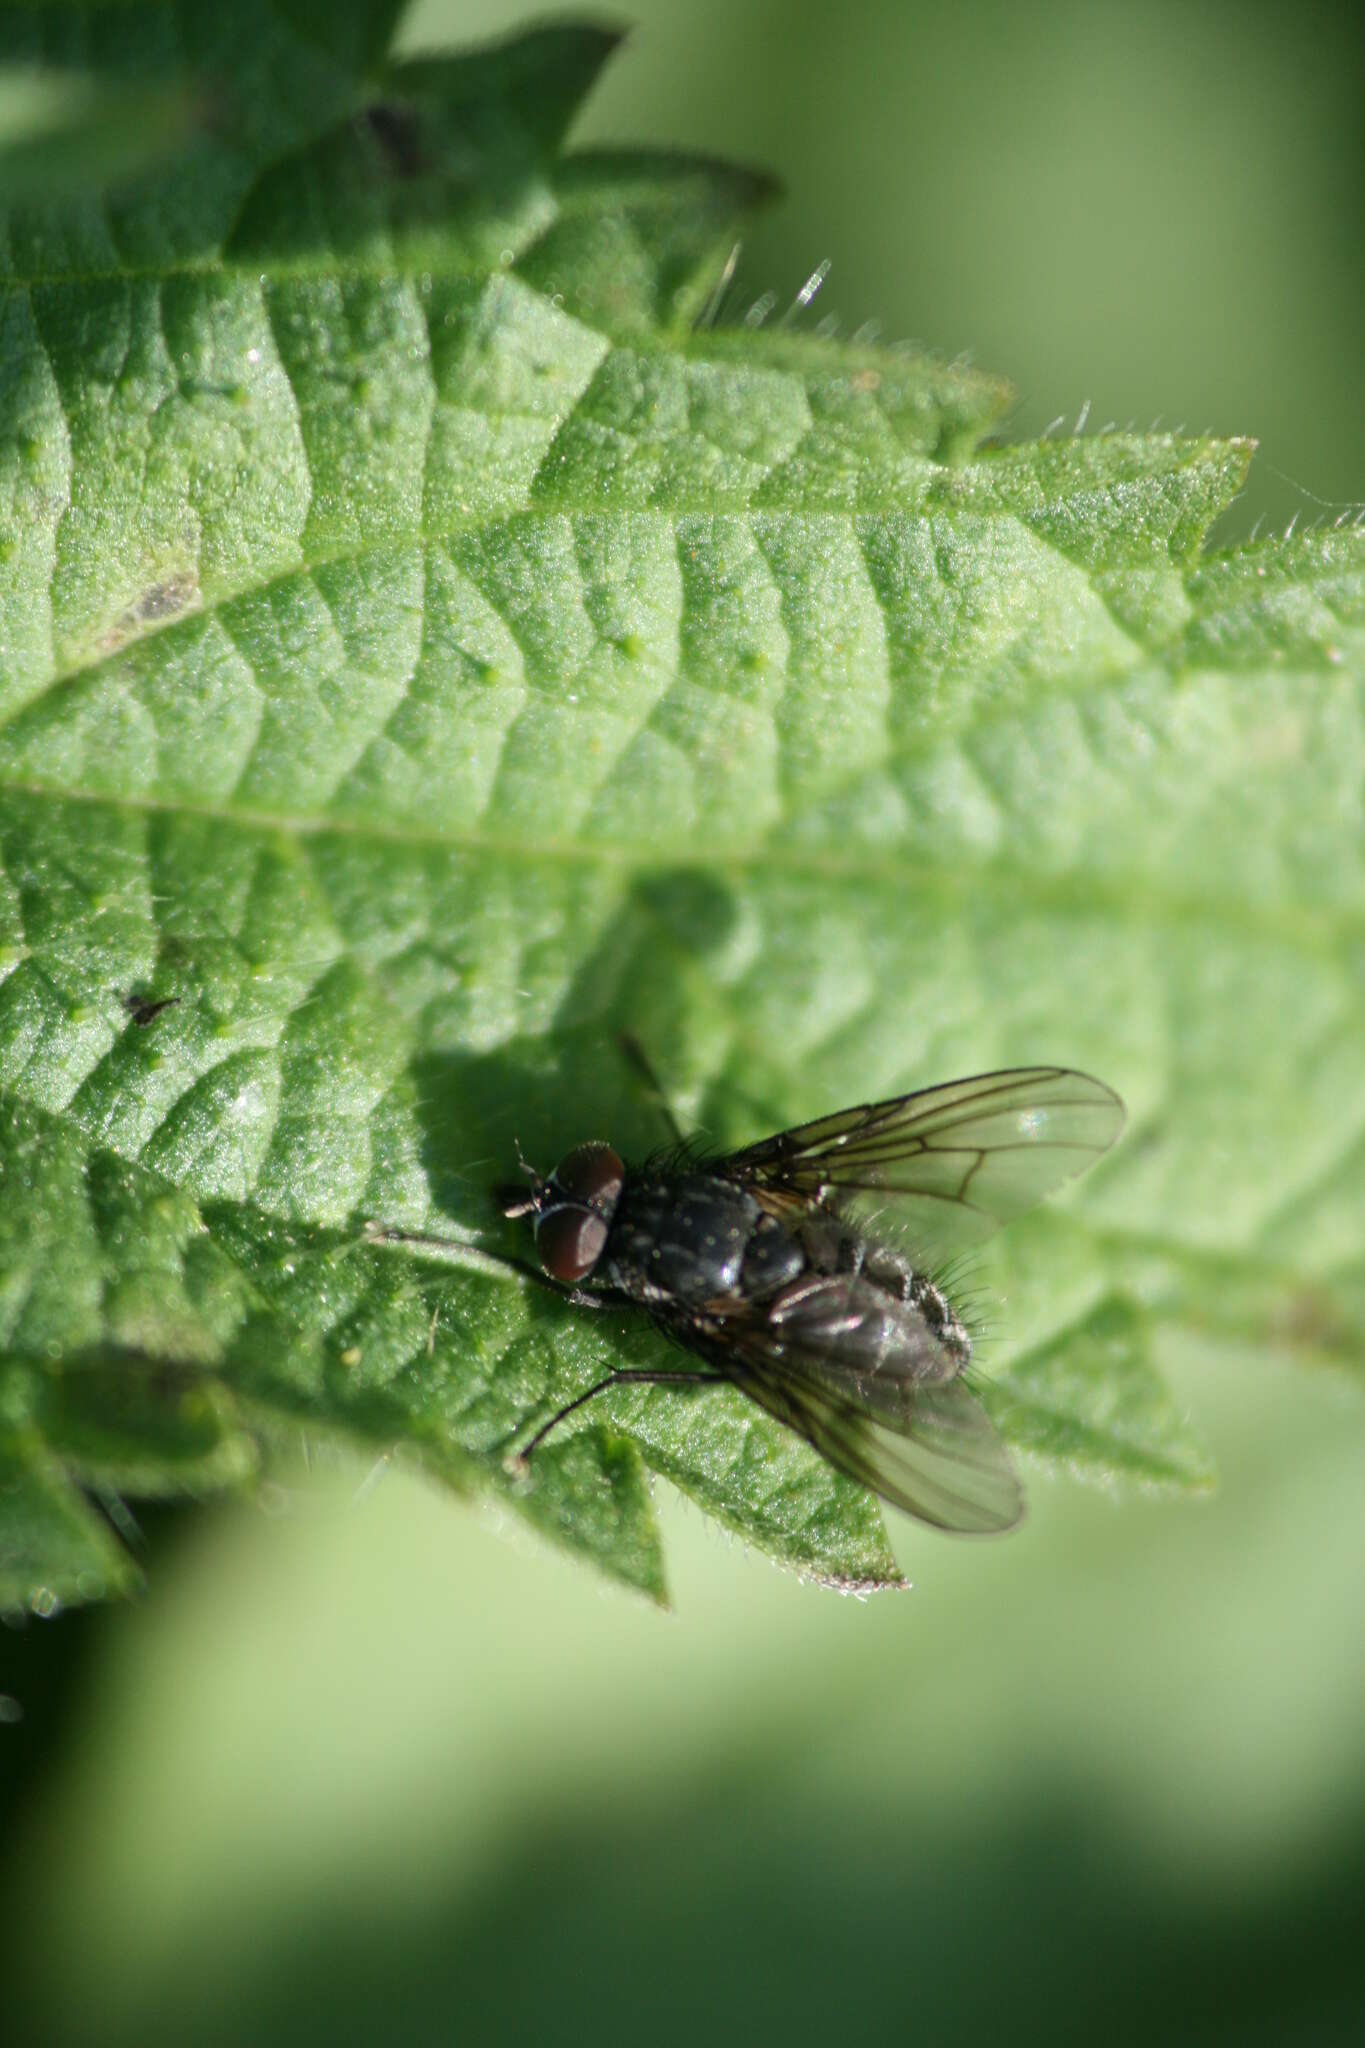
[(717, 506), (1317, 931)]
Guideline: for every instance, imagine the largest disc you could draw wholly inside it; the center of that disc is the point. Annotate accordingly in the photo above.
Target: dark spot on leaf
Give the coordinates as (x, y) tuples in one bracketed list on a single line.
[(1310, 1319), (163, 600), (160, 601), (395, 128)]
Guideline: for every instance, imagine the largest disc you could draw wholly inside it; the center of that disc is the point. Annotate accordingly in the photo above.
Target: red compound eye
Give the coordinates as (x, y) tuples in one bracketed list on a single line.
[(591, 1173), (570, 1242)]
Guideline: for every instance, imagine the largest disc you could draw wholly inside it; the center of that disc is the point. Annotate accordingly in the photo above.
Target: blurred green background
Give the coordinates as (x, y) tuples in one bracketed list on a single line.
[(1148, 207), (363, 1764)]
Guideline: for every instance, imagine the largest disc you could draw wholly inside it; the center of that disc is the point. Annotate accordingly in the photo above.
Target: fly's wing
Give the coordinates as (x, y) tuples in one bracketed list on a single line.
[(951, 1163), (923, 1444), (928, 1449)]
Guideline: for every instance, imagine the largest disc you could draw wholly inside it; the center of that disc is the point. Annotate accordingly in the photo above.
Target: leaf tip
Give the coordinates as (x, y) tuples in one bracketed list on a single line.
[(859, 1588)]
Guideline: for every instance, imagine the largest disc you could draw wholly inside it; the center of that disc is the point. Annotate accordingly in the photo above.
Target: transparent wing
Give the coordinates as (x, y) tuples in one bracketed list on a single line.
[(954, 1162), (874, 1391), (928, 1449)]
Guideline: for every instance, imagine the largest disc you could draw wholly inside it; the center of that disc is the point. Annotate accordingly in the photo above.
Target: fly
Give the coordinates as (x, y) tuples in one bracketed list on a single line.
[(767, 1266)]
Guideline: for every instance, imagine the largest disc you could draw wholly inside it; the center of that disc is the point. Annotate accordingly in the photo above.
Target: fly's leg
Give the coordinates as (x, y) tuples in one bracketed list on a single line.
[(518, 1461), (453, 1251), (635, 1056)]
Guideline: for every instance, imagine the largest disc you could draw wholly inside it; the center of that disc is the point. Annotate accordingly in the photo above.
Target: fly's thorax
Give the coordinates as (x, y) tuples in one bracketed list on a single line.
[(692, 1238), (773, 1258)]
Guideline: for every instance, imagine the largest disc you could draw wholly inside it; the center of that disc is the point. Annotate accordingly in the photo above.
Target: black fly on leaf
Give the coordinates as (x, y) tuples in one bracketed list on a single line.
[(766, 1266), (145, 1010)]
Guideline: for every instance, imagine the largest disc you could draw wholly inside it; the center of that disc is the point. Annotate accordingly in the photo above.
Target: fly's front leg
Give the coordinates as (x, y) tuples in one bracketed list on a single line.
[(452, 1251)]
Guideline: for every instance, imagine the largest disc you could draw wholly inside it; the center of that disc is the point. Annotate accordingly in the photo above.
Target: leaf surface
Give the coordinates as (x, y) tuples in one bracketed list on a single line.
[(426, 650)]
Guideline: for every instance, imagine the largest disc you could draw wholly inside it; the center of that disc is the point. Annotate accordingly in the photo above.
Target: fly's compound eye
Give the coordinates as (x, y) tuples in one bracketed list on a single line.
[(570, 1241), (591, 1174)]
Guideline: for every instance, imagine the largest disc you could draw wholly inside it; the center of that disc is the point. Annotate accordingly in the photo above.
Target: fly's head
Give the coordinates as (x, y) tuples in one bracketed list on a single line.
[(571, 1210)]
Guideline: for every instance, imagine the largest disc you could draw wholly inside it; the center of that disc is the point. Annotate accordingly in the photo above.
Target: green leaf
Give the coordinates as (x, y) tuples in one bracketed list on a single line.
[(425, 650), (70, 135), (54, 1547)]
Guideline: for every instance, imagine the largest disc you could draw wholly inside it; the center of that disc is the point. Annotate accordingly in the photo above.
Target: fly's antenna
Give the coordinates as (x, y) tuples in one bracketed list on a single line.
[(514, 1201), (635, 1056), (524, 1163)]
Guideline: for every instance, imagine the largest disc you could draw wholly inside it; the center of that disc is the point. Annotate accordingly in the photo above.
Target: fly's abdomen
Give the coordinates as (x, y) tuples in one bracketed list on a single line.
[(861, 1328), (693, 1239)]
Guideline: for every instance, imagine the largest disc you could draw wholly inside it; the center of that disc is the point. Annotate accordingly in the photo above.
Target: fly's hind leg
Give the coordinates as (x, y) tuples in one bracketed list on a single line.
[(519, 1461)]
